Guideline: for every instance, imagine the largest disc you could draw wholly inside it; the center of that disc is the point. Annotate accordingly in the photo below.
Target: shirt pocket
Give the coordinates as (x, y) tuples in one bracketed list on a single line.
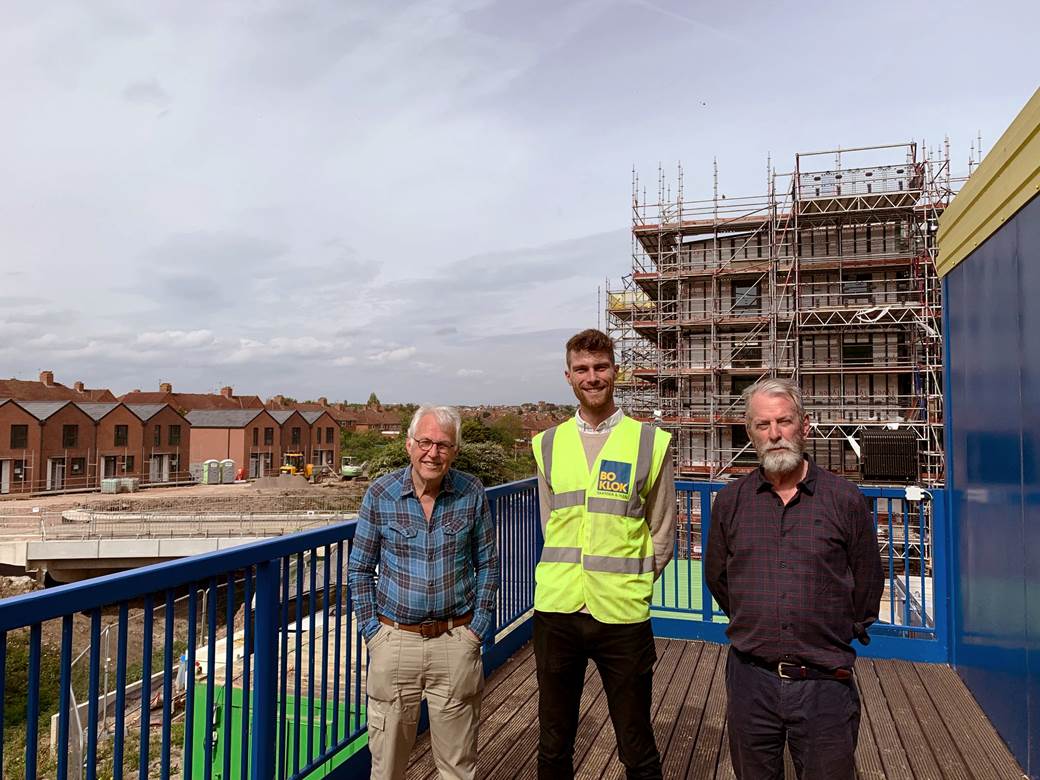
[(399, 537)]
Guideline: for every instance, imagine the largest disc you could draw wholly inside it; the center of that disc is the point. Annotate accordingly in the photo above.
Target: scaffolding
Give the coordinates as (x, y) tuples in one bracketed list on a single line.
[(828, 278)]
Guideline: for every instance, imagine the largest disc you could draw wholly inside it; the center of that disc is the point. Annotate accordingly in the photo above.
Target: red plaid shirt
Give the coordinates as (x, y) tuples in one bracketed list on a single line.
[(800, 581)]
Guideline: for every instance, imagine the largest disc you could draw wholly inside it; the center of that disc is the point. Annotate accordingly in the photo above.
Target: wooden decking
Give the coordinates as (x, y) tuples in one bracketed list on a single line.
[(919, 721)]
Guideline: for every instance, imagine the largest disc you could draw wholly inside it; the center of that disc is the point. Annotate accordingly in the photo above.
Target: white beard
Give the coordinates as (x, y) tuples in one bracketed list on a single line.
[(781, 462)]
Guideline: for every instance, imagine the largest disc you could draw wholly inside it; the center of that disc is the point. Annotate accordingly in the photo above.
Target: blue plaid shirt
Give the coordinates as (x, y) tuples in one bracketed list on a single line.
[(427, 571)]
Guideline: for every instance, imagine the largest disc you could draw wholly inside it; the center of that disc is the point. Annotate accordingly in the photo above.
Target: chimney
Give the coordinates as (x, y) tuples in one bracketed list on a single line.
[(165, 387), (323, 401), (78, 387), (47, 378), (227, 392)]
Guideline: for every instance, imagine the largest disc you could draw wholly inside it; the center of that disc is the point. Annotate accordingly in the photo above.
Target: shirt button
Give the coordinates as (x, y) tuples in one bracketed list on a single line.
[(783, 565)]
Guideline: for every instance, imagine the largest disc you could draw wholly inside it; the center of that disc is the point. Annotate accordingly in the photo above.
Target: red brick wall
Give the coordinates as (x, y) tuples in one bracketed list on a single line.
[(181, 452), (12, 414), (297, 421), (106, 446), (53, 448)]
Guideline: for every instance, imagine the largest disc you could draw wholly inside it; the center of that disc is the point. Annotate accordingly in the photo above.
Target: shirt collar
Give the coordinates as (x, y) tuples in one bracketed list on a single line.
[(808, 483), (604, 427), (408, 487)]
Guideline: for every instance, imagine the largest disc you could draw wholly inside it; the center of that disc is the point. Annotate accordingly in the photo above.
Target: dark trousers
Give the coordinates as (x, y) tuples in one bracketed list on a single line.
[(624, 656), (819, 720)]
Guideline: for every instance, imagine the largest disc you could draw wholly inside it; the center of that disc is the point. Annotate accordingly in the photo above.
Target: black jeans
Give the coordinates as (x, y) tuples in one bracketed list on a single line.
[(624, 654), (819, 720)]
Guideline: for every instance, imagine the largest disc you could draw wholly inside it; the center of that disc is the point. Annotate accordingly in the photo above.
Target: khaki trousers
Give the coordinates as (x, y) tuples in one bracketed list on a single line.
[(402, 669)]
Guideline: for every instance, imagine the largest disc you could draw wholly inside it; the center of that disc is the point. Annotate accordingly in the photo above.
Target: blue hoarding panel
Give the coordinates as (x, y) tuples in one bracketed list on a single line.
[(994, 408)]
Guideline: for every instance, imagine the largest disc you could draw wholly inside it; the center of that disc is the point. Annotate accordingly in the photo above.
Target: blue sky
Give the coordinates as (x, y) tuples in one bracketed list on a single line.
[(416, 198)]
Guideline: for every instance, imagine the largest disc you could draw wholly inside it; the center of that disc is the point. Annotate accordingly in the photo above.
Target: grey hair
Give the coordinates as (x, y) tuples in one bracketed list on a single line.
[(774, 386), (447, 417)]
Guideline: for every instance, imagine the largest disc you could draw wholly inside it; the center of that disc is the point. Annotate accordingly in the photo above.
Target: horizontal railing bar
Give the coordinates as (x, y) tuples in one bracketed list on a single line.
[(41, 605)]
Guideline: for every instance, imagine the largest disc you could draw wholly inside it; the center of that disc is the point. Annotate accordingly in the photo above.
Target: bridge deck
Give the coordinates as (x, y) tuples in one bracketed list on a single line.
[(919, 721)]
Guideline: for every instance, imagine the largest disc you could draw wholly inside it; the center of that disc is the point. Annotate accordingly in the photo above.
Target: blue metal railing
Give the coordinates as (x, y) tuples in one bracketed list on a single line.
[(263, 639), (913, 546), (271, 665)]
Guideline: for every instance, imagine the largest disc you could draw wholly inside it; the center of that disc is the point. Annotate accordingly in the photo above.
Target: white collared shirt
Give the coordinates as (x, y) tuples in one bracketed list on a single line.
[(604, 427)]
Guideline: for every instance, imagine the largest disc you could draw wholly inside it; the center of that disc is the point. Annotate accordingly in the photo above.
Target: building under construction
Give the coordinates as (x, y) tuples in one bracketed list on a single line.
[(828, 278)]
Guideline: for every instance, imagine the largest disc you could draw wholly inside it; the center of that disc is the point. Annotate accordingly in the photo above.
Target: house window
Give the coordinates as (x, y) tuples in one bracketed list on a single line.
[(328, 435), (69, 436), (19, 437), (857, 353), (122, 434), (741, 440), (318, 432), (747, 355), (746, 297), (128, 464), (739, 384), (268, 437), (295, 435), (256, 437), (175, 463), (857, 286), (174, 435), (157, 436), (78, 465), (19, 470)]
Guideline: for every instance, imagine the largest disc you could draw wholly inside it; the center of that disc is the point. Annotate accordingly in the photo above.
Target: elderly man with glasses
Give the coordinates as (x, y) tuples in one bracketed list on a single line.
[(427, 529)]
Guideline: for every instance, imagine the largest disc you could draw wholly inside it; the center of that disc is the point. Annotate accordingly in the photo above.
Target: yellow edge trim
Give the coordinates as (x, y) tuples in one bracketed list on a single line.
[(1007, 179)]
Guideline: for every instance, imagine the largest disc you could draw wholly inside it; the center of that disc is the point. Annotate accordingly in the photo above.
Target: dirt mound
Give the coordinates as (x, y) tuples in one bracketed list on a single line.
[(282, 482)]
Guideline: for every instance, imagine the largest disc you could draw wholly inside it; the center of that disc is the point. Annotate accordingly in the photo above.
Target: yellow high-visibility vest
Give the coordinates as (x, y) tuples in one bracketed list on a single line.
[(598, 549)]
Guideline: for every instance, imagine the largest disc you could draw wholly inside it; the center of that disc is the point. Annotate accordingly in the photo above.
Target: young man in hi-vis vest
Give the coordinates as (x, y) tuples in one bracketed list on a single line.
[(607, 492)]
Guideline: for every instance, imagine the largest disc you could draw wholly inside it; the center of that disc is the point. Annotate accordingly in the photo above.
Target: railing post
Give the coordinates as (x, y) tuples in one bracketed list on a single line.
[(265, 670)]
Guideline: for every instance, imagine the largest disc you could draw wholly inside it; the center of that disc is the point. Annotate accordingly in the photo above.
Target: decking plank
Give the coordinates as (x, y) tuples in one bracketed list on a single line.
[(868, 758), (943, 749), (985, 752), (604, 749), (523, 756), (497, 711), (923, 706), (675, 700), (495, 690), (707, 740), (918, 751), (877, 716)]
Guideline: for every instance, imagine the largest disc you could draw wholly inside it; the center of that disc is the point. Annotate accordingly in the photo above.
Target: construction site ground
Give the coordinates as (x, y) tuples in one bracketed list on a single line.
[(241, 496)]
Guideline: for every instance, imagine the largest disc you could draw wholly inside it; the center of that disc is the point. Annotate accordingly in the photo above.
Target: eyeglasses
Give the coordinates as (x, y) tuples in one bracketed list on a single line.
[(427, 444)]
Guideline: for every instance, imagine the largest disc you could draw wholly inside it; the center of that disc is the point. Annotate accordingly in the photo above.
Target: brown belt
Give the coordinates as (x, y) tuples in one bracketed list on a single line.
[(429, 629)]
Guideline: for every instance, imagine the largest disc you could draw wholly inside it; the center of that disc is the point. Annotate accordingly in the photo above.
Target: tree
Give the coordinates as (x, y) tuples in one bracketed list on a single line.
[(488, 461), (475, 430), (509, 428), (373, 401)]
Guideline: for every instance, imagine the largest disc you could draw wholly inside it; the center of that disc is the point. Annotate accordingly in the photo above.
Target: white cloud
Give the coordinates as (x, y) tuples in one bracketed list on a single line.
[(392, 355), (176, 339), (469, 372), (237, 221)]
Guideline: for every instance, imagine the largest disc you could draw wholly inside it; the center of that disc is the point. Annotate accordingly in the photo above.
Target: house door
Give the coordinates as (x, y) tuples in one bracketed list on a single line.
[(254, 466), (109, 466), (159, 469), (56, 474), (5, 476)]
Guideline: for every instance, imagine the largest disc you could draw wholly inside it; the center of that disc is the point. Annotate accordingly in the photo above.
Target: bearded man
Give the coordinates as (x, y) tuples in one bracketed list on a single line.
[(793, 561)]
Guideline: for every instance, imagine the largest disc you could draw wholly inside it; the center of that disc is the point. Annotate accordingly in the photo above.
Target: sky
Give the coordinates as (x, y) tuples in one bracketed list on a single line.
[(422, 199)]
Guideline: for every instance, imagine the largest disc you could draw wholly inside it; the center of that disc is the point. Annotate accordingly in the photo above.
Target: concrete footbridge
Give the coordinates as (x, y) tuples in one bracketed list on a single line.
[(83, 543)]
